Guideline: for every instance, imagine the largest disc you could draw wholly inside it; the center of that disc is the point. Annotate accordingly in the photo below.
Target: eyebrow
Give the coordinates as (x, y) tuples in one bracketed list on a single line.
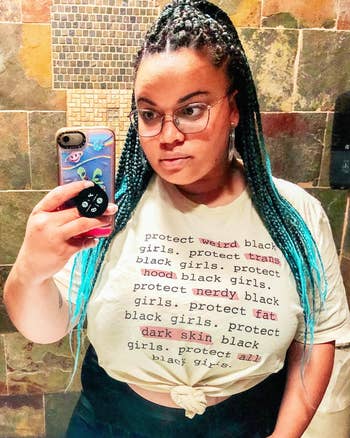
[(181, 100)]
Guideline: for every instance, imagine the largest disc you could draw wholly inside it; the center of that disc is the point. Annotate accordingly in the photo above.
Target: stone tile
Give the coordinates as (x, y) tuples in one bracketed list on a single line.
[(15, 208), (294, 142), (58, 410), (280, 19), (103, 60), (3, 386), (334, 204), (22, 416), (25, 59), (344, 14), (345, 270), (243, 13), (43, 155), (14, 158), (35, 53), (271, 54), (34, 11), (301, 14), (324, 70), (6, 325), (10, 10), (230, 6), (37, 368)]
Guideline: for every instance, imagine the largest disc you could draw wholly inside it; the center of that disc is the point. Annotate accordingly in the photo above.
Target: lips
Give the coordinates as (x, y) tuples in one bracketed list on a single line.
[(174, 162)]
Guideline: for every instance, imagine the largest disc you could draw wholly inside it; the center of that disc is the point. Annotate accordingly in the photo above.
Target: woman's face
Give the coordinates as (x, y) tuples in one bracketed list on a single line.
[(167, 81)]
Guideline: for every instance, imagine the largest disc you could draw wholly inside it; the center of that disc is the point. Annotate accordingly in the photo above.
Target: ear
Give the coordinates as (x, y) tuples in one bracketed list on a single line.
[(234, 114)]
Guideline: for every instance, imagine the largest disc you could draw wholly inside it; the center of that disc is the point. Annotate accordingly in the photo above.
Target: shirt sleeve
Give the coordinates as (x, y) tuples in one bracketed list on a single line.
[(333, 321), (62, 281), (62, 278)]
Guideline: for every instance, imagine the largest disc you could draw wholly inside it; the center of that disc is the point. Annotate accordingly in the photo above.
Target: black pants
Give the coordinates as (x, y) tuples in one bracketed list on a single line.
[(109, 408)]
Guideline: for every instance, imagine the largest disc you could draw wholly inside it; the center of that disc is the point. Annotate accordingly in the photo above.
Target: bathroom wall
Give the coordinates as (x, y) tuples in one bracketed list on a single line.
[(70, 62)]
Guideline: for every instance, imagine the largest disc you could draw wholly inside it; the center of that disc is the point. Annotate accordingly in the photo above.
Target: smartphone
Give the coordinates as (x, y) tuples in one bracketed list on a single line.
[(87, 153)]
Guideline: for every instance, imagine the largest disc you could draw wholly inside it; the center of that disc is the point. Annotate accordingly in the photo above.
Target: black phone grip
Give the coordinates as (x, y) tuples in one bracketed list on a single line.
[(92, 201)]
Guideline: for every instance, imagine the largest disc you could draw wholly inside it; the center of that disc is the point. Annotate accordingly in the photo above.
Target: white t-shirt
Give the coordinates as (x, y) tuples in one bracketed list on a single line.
[(198, 301)]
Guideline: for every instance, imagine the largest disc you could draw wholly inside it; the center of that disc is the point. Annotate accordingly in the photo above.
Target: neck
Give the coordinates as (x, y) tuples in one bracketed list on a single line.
[(220, 190)]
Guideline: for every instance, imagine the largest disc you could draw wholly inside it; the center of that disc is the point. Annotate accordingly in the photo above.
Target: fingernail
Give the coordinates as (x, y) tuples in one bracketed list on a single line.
[(89, 243), (112, 208), (88, 183)]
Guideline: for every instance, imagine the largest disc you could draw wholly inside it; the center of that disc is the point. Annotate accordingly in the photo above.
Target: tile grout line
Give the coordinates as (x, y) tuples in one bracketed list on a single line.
[(6, 369), (261, 13), (29, 152), (323, 155), (296, 68), (44, 413), (337, 5)]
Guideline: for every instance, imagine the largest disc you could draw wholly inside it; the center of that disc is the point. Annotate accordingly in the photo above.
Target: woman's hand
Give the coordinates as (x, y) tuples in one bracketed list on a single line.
[(53, 235)]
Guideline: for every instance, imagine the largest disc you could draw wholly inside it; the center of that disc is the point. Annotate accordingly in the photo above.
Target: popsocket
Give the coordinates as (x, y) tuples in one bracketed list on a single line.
[(92, 201)]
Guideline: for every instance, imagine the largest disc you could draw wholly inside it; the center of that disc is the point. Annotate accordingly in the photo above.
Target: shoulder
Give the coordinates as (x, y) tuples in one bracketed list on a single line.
[(297, 196), (309, 208)]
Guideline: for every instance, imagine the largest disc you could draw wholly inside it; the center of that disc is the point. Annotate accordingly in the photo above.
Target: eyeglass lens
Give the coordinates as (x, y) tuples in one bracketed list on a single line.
[(191, 118)]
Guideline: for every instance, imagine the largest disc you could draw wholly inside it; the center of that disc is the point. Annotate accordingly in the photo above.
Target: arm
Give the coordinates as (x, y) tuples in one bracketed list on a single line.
[(35, 308), (301, 399), (33, 302)]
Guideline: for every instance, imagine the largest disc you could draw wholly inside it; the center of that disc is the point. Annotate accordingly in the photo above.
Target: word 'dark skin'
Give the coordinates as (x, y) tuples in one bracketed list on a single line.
[(176, 334)]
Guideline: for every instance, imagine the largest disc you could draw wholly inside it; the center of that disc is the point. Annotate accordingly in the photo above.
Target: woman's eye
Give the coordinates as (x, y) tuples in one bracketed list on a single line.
[(193, 110), (148, 115)]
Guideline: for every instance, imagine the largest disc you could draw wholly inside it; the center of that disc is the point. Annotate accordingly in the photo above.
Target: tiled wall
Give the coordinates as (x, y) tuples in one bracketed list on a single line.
[(93, 46), (69, 62)]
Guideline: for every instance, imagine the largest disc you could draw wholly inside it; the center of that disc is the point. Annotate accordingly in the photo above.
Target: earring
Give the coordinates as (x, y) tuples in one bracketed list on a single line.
[(231, 144)]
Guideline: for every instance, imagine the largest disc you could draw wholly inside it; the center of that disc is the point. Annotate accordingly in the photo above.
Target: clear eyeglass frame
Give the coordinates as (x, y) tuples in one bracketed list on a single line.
[(190, 128)]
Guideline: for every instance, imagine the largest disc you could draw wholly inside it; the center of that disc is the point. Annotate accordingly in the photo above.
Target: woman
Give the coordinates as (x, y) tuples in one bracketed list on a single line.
[(212, 279)]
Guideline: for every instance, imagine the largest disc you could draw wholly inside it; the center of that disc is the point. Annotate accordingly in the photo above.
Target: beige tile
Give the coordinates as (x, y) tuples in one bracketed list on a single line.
[(15, 208), (34, 11), (10, 10), (14, 158), (37, 368), (291, 13), (22, 416), (271, 54)]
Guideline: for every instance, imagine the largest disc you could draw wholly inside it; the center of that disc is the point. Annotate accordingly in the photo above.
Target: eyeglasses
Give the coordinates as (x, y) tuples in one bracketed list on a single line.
[(188, 119)]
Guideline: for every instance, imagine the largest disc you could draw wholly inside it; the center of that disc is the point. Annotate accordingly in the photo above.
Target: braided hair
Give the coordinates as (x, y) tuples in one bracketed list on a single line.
[(201, 25)]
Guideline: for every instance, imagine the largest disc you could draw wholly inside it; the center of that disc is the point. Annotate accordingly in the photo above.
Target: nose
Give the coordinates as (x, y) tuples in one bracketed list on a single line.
[(170, 135)]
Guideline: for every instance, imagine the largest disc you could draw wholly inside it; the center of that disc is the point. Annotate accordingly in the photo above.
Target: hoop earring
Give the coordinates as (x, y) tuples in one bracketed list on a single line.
[(231, 145)]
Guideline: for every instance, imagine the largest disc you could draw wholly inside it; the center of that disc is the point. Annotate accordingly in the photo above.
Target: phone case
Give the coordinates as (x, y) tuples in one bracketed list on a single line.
[(91, 158)]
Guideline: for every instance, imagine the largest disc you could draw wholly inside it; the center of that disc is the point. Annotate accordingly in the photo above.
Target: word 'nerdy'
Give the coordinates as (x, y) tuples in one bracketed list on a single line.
[(225, 293)]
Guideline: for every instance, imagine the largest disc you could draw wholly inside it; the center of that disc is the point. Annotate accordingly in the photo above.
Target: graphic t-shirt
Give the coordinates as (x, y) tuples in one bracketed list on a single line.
[(199, 301)]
